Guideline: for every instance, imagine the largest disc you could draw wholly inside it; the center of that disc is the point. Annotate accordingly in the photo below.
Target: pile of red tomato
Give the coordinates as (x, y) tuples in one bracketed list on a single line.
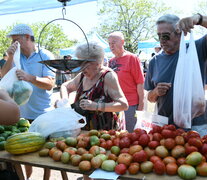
[(164, 150)]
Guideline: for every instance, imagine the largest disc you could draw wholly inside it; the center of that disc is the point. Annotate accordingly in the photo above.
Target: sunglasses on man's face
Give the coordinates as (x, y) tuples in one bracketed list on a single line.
[(165, 36)]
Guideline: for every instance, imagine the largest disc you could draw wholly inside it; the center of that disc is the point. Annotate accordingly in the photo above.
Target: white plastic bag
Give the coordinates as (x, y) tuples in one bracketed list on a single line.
[(8, 80), (63, 103), (20, 91), (188, 90), (59, 121), (146, 119)]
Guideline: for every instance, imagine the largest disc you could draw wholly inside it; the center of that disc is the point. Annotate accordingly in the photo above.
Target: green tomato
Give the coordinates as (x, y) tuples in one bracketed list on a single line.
[(187, 172), (94, 140), (115, 150), (108, 165), (194, 158)]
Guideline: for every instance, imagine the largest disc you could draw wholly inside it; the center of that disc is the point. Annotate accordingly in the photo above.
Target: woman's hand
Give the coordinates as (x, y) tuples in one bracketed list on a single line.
[(62, 103), (86, 104)]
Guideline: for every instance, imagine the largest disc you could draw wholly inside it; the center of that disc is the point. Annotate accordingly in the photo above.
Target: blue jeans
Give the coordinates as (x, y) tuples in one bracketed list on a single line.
[(130, 118)]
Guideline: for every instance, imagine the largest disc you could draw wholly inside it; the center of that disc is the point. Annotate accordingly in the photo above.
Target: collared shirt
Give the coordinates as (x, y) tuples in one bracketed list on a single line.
[(40, 100)]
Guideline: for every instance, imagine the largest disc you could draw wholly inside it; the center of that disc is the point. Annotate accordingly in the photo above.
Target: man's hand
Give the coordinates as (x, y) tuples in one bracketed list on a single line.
[(140, 106), (186, 24), (162, 88), (11, 50), (22, 75)]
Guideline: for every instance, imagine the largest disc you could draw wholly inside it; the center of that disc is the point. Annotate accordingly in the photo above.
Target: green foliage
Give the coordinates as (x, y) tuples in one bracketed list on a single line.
[(135, 19), (52, 37), (4, 41)]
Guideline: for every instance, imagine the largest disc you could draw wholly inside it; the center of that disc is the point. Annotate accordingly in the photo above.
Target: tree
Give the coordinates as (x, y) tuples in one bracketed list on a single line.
[(52, 37), (135, 18), (4, 41), (202, 9)]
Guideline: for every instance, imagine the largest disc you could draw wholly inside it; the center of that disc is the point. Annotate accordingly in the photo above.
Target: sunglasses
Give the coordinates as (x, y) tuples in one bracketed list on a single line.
[(165, 36)]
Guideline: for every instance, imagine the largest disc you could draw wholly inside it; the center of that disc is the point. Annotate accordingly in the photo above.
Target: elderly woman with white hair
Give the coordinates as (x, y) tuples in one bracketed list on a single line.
[(98, 93)]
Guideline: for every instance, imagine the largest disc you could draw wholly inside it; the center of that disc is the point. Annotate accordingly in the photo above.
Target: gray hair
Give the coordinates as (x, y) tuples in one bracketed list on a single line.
[(92, 50), (168, 18), (117, 34)]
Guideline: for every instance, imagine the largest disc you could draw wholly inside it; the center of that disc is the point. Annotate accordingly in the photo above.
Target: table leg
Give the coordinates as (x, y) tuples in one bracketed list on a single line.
[(46, 174), (19, 171), (64, 175)]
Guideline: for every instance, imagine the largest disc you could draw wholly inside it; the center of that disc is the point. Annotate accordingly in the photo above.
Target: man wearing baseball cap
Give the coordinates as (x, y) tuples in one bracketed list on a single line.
[(38, 75)]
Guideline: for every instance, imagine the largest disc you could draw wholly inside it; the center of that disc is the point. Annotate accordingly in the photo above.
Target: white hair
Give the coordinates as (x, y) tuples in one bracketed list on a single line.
[(117, 34), (91, 50)]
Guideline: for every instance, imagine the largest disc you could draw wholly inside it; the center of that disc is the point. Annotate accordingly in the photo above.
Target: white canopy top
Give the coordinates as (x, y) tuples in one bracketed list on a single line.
[(22, 6)]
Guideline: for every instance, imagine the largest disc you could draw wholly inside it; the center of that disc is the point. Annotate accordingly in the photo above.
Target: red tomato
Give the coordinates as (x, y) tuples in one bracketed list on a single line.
[(155, 158), (181, 161), (169, 159), (171, 168), (109, 144), (120, 169), (202, 169), (159, 167), (133, 168)]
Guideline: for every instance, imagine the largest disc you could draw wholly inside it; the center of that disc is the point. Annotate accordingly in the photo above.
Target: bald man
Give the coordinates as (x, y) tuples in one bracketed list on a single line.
[(128, 68)]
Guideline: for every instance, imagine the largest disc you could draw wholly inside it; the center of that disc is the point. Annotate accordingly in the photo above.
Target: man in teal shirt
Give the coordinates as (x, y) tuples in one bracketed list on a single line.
[(38, 75)]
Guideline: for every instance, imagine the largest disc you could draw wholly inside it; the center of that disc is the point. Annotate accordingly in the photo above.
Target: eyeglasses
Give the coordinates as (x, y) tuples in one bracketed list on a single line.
[(165, 36), (85, 65)]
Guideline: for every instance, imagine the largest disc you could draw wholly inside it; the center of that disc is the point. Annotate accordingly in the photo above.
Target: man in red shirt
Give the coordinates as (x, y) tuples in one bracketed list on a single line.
[(128, 68)]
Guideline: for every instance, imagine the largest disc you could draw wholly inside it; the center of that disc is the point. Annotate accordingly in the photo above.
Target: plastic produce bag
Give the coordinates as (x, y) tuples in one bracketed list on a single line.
[(188, 90), (146, 119), (63, 103), (59, 122), (19, 90)]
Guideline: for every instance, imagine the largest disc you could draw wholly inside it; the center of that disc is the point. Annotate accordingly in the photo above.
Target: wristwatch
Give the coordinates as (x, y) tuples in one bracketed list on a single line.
[(200, 19)]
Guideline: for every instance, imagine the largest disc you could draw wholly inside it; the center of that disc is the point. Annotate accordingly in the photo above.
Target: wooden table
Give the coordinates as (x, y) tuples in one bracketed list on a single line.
[(33, 159)]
